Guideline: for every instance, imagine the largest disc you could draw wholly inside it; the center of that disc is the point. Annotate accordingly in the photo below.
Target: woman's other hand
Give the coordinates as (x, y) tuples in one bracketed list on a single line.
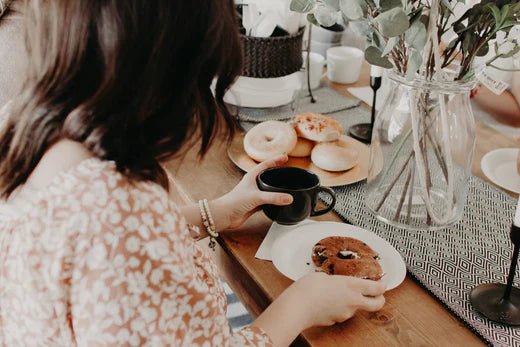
[(234, 208), (318, 299)]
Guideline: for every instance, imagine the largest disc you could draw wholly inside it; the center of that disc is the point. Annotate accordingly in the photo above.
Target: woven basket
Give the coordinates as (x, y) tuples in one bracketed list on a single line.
[(268, 57)]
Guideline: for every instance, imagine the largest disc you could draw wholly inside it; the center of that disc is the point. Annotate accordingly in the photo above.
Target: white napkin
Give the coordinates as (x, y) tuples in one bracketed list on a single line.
[(272, 13), (275, 231), (366, 94)]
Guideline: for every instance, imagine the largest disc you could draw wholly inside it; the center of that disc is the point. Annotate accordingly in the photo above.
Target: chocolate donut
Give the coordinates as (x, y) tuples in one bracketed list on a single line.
[(337, 255)]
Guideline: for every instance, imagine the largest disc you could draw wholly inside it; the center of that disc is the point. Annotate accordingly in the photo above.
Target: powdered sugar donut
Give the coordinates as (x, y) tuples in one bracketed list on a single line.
[(334, 156), (303, 148), (269, 139), (317, 127)]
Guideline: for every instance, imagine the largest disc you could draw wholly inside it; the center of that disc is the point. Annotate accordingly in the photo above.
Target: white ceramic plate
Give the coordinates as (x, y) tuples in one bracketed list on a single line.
[(292, 252), (500, 167)]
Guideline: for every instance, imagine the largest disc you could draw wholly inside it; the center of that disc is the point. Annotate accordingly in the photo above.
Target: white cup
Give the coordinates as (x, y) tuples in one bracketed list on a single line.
[(344, 64), (321, 48), (317, 64)]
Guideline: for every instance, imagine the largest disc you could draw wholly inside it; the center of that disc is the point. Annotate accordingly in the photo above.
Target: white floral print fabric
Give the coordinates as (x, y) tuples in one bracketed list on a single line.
[(95, 259)]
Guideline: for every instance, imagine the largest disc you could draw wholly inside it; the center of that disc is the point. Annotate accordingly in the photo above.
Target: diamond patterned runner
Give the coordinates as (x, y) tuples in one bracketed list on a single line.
[(450, 262)]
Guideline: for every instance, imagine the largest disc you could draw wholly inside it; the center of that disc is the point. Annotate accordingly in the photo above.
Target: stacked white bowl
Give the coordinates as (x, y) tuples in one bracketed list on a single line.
[(325, 38)]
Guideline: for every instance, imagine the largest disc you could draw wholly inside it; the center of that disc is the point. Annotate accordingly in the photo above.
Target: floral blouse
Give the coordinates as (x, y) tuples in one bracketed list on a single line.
[(95, 259)]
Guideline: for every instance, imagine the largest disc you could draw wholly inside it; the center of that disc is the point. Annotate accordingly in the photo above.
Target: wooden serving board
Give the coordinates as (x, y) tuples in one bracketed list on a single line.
[(239, 157)]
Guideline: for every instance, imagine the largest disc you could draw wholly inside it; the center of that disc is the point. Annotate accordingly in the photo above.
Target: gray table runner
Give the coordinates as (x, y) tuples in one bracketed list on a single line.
[(449, 262), (328, 101)]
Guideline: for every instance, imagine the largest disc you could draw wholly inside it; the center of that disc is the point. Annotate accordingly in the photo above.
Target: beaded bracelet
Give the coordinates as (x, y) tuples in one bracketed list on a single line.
[(209, 223)]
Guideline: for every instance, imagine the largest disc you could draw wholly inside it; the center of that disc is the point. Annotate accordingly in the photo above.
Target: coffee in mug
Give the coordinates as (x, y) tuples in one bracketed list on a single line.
[(304, 187)]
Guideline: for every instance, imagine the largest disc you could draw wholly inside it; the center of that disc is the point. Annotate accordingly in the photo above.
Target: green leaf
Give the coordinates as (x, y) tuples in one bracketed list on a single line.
[(446, 4), (483, 50), (390, 4), (414, 64), (362, 28), (392, 42), (452, 43), (497, 16), (312, 19), (334, 4), (416, 36), (505, 12), (508, 24), (374, 56), (352, 9), (378, 41), (325, 15), (458, 27), (302, 6), (393, 22)]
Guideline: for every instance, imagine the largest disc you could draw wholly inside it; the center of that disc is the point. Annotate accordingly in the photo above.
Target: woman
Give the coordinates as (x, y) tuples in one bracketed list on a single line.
[(92, 252)]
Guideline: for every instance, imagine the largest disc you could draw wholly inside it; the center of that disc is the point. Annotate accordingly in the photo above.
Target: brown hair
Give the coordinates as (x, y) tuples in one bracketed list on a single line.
[(130, 79)]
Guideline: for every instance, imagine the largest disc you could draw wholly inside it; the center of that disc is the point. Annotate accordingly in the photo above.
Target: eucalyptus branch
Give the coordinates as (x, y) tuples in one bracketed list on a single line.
[(502, 69)]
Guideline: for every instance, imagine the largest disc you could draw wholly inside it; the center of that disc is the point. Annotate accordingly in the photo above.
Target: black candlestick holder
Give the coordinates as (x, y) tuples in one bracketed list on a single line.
[(501, 302), (363, 131)]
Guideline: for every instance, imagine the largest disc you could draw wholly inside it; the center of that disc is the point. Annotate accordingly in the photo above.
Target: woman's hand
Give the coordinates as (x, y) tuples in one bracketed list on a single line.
[(318, 299), (334, 299), (234, 208)]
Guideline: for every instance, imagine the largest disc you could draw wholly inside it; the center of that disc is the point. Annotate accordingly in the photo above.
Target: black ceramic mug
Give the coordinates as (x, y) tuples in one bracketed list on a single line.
[(304, 187)]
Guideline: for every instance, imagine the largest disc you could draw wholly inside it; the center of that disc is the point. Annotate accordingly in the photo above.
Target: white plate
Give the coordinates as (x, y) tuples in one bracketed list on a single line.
[(500, 167), (292, 252)]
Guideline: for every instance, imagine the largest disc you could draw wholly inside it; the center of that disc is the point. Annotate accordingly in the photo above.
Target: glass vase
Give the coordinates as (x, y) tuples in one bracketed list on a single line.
[(421, 154)]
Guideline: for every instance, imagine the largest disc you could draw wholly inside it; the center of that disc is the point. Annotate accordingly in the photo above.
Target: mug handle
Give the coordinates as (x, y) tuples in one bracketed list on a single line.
[(328, 208)]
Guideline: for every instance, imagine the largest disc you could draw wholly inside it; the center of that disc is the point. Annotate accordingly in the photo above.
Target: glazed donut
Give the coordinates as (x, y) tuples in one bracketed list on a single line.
[(334, 156), (269, 139), (302, 149), (346, 256), (317, 127)]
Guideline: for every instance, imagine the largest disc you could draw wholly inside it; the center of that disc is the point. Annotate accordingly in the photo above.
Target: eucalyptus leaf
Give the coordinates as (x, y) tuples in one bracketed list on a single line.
[(362, 28), (414, 64), (378, 41), (390, 4), (415, 14), (447, 6), (302, 6), (458, 27), (504, 12), (392, 42), (497, 16), (467, 42), (312, 19), (483, 50), (393, 22), (325, 15), (374, 56), (334, 4), (416, 36), (509, 24), (353, 9), (453, 43)]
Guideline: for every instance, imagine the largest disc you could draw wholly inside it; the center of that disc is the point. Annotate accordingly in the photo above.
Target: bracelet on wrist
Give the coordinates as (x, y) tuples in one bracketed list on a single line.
[(208, 222)]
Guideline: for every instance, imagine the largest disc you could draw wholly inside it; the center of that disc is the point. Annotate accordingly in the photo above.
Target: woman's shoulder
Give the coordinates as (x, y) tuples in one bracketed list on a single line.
[(96, 190)]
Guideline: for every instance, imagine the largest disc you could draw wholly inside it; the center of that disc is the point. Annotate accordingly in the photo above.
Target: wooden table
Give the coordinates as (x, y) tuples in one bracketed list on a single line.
[(411, 316)]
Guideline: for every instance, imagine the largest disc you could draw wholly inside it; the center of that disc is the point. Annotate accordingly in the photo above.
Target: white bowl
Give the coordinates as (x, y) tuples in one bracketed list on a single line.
[(327, 36), (264, 92)]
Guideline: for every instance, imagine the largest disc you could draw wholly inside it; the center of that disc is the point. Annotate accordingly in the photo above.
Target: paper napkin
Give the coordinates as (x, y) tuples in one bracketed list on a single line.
[(275, 231)]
